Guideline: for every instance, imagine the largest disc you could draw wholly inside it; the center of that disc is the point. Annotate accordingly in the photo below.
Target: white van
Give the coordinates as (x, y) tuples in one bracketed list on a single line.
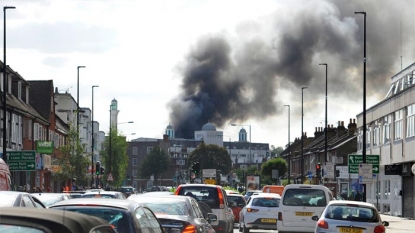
[(298, 204)]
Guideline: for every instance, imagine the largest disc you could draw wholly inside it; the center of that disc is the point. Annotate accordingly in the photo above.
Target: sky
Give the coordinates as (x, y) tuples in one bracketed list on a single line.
[(190, 62)]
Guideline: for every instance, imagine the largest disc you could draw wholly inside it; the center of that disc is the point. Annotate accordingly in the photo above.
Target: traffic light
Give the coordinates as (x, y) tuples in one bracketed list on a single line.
[(196, 167), (102, 170), (318, 169), (97, 168)]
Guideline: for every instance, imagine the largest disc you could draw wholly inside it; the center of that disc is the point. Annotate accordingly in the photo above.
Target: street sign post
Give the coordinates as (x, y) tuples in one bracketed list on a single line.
[(24, 160), (355, 160), (209, 173), (365, 173)]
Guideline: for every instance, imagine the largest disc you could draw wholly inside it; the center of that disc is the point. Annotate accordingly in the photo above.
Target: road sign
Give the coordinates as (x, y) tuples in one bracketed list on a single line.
[(355, 160), (24, 160), (110, 178), (209, 172), (328, 170), (210, 181), (365, 173)]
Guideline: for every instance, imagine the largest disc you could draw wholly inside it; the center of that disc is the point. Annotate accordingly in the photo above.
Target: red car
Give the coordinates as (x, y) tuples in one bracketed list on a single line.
[(240, 203)]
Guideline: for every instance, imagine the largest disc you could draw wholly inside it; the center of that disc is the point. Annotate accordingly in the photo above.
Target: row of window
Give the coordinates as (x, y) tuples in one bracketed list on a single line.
[(381, 131)]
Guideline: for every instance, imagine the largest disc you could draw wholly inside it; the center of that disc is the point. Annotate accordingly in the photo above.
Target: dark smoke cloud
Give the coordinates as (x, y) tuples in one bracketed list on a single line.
[(234, 79)]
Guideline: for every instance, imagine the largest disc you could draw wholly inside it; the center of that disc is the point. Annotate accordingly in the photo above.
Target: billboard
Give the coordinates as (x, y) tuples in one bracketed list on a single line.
[(252, 182)]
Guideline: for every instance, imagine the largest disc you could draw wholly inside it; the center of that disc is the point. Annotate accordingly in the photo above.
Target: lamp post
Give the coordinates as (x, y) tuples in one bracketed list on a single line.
[(250, 133), (302, 135), (364, 96), (92, 136), (5, 82), (289, 145), (325, 129), (77, 101)]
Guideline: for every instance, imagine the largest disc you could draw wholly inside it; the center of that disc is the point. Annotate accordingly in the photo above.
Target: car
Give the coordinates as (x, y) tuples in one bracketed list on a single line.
[(228, 191), (349, 216), (260, 212), (250, 192), (239, 203), (278, 189), (181, 211), (104, 194), (127, 190), (216, 199), (126, 216), (19, 199), (49, 199), (46, 220), (298, 203)]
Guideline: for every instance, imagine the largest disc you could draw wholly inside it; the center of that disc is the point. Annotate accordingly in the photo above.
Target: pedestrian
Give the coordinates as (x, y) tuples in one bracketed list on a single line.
[(351, 196), (359, 196)]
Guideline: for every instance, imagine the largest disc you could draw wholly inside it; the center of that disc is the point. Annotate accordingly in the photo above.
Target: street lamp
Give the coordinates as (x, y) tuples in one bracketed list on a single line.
[(5, 82), (289, 145), (250, 133), (77, 101), (325, 131), (93, 142), (302, 135), (364, 96)]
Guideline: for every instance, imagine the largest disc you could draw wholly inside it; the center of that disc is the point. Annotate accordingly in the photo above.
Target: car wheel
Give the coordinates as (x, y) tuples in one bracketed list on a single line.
[(245, 230)]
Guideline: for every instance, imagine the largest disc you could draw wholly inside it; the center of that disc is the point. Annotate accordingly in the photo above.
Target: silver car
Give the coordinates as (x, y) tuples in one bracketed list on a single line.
[(351, 217)]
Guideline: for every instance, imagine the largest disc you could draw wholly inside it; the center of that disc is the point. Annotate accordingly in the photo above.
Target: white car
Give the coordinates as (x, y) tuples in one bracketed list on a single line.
[(349, 216), (260, 212)]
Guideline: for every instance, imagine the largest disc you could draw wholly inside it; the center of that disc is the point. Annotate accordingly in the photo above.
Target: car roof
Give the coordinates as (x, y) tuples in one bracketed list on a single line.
[(235, 195), (201, 185), (103, 192), (306, 186), (105, 202), (71, 221), (346, 202), (275, 195)]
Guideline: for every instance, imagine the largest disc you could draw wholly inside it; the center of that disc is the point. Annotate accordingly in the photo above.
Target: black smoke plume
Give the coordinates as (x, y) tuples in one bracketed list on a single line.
[(235, 78)]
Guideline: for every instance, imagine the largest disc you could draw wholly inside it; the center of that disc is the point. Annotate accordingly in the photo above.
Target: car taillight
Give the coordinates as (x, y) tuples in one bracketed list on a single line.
[(279, 216), (221, 200), (251, 210), (323, 224), (189, 229), (379, 229)]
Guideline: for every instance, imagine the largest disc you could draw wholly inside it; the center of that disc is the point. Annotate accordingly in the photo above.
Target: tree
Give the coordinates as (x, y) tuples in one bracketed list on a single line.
[(275, 152), (276, 163), (72, 161), (119, 158), (211, 157), (155, 163)]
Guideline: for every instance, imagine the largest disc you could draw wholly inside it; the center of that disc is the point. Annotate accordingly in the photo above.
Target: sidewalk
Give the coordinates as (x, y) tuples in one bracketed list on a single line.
[(389, 218), (398, 224)]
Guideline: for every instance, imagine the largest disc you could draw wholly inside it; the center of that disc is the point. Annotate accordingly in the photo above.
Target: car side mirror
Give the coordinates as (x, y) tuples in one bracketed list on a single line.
[(315, 218), (102, 229), (212, 217), (385, 223)]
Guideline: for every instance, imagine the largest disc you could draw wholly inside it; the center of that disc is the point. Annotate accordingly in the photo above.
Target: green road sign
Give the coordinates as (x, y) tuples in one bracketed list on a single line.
[(354, 161), (24, 160)]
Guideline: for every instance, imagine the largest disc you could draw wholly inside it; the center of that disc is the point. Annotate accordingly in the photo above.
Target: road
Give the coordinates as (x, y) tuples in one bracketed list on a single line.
[(396, 225)]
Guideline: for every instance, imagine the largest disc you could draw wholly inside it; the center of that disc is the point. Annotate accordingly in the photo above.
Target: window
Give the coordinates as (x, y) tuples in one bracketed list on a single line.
[(376, 136), (149, 149), (180, 162), (142, 220), (36, 131), (135, 162), (387, 189), (368, 136), (398, 124), (359, 140), (135, 173), (153, 222), (135, 150), (304, 197), (386, 130), (410, 121)]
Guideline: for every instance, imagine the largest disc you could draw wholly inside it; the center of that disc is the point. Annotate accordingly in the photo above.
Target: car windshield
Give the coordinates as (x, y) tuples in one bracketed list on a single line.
[(304, 197), (266, 202), (167, 207), (111, 215), (49, 200), (351, 213), (99, 195)]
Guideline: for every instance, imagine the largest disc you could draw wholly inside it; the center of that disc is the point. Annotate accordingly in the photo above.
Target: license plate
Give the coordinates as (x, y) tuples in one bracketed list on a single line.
[(269, 220), (303, 213), (350, 230)]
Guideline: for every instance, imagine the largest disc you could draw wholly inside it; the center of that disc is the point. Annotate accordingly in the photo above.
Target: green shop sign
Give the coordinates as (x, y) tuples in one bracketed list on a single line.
[(44, 147)]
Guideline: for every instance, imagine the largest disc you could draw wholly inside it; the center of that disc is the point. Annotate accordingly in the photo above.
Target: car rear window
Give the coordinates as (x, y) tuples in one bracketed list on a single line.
[(351, 213), (208, 195), (240, 201), (126, 189), (167, 207), (304, 197), (266, 202), (97, 195)]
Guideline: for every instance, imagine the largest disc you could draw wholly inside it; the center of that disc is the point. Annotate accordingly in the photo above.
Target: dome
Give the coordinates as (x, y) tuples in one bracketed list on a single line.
[(169, 126), (242, 130), (209, 127)]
